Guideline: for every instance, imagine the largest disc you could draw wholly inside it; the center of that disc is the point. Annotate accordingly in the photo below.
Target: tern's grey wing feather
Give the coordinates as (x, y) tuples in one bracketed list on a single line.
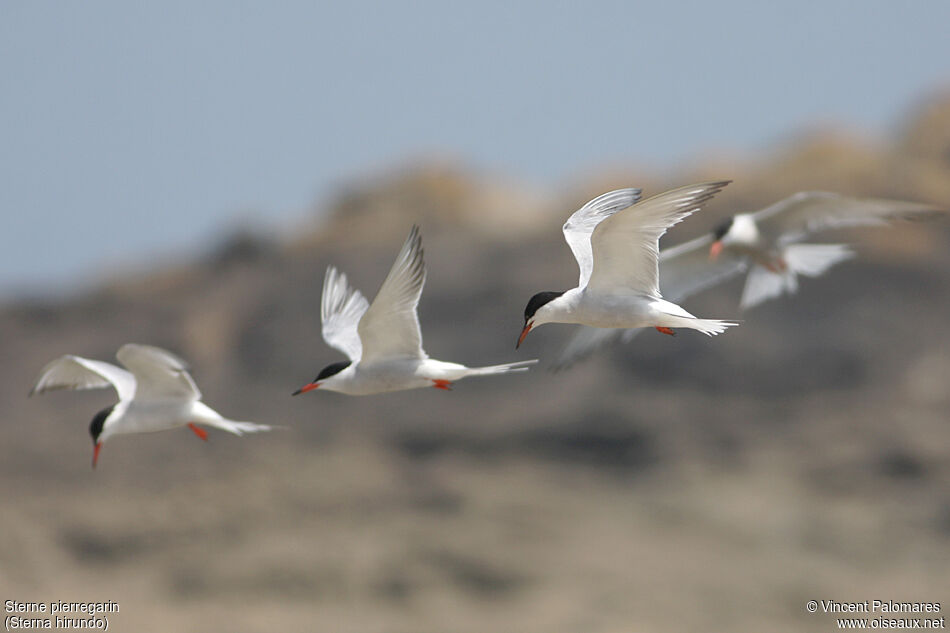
[(159, 374), (581, 224), (806, 212), (586, 340), (341, 309), (390, 326), (686, 269), (626, 245), (583, 343), (78, 373)]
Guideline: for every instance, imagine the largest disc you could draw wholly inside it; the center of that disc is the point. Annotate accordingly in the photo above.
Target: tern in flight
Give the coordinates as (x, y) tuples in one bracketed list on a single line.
[(155, 391), (382, 340), (615, 239)]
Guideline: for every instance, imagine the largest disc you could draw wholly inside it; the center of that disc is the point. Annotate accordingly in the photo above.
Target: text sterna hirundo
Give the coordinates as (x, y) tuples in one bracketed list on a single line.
[(155, 394), (383, 340)]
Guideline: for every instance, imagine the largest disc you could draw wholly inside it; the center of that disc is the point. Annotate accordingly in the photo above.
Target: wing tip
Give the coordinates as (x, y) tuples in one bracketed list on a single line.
[(414, 240), (568, 359), (330, 298), (561, 364), (709, 185), (713, 187), (176, 361), (415, 254), (706, 190)]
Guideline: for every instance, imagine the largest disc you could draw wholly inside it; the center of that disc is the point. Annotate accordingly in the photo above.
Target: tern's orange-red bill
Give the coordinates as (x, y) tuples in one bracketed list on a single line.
[(524, 333), (306, 388)]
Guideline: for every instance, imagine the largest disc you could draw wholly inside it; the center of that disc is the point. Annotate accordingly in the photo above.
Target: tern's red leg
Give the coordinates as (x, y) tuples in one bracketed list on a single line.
[(441, 383), (665, 330), (777, 265), (200, 432)]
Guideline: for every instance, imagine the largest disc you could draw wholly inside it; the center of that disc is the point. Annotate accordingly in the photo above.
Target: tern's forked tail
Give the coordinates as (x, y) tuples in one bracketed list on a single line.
[(521, 365), (238, 428), (674, 316), (710, 327)]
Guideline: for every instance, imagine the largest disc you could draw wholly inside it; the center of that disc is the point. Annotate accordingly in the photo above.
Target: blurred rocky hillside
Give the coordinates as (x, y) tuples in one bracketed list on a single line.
[(679, 484)]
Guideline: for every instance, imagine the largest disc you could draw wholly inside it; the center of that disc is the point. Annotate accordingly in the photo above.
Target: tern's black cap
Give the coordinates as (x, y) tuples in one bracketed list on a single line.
[(331, 370), (95, 427), (722, 228), (538, 300)]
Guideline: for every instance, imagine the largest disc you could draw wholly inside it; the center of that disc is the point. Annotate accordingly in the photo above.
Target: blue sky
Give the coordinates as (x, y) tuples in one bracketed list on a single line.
[(131, 131)]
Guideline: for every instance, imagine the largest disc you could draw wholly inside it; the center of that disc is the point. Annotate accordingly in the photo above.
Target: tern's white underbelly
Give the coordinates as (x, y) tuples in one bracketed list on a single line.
[(614, 311), (396, 375), (150, 416)]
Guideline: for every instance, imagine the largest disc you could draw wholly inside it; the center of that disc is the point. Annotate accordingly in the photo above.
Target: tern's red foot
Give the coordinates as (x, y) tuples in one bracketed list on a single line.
[(777, 265), (200, 432), (441, 383), (665, 330)]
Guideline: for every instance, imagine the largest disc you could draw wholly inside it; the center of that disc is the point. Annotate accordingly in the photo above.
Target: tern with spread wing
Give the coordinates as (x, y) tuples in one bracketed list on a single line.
[(769, 239), (383, 340), (764, 243), (155, 391), (615, 240)]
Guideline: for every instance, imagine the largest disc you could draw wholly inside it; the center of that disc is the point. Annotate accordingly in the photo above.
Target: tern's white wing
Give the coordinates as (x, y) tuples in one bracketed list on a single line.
[(578, 228), (390, 326), (75, 373), (686, 269), (341, 308), (160, 375), (625, 245), (792, 218)]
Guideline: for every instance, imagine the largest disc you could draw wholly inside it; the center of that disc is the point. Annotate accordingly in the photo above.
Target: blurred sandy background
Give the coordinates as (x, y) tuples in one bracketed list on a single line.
[(182, 173), (685, 484)]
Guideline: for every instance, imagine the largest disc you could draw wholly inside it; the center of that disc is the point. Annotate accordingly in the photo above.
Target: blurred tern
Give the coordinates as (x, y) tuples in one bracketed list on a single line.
[(768, 239), (616, 251), (383, 340), (155, 394), (765, 243)]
